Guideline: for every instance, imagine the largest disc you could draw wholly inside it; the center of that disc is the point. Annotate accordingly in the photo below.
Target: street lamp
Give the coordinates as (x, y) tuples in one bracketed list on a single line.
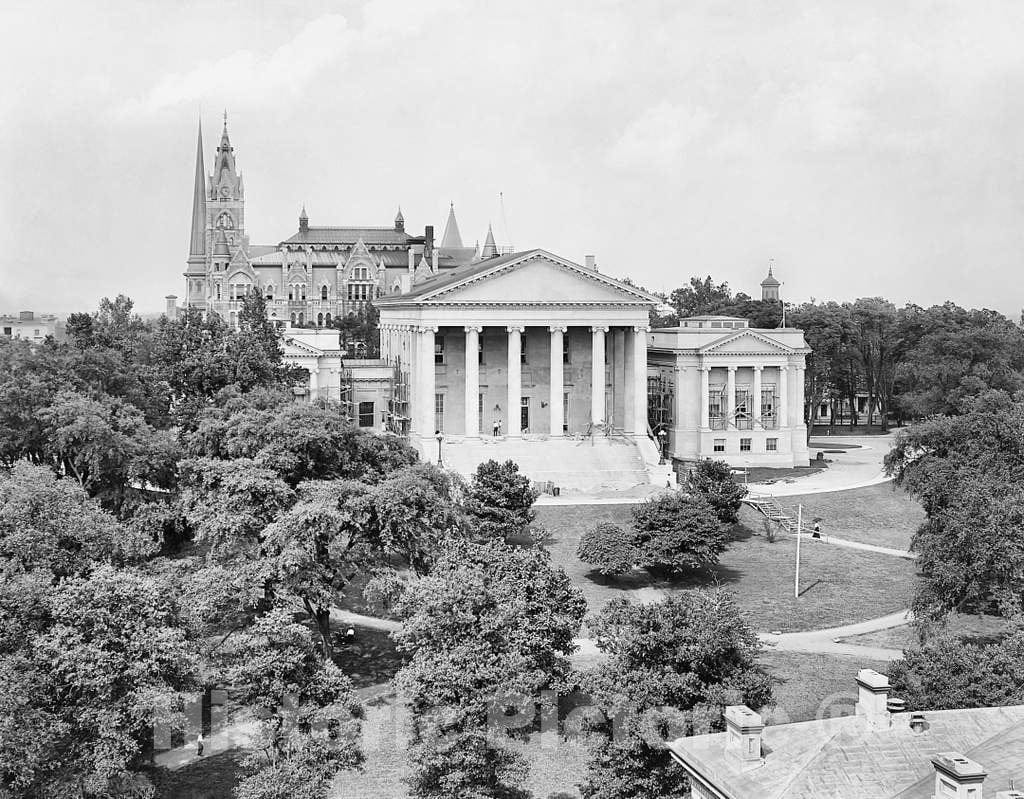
[(661, 446), (440, 438)]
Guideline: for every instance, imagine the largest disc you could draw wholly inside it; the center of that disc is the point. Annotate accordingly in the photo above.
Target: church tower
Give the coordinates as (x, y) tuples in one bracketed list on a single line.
[(225, 210)]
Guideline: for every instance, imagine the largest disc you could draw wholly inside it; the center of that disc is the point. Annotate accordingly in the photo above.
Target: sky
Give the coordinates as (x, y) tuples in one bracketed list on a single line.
[(869, 148)]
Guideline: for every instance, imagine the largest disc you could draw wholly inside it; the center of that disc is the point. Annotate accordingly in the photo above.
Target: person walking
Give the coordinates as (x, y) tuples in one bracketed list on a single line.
[(497, 427), (199, 745)]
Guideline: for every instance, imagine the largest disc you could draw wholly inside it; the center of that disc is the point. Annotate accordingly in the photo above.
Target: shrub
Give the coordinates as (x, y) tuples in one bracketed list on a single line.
[(713, 480), (500, 501), (608, 548), (678, 531)]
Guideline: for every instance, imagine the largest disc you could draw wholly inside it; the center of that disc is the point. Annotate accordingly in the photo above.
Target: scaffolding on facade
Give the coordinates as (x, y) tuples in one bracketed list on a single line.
[(346, 397), (398, 420), (660, 399)]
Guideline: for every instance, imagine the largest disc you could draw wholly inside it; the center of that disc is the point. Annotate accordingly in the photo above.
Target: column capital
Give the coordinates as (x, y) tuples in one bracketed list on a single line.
[(599, 328), (732, 369), (784, 368), (428, 328), (705, 367), (515, 328), (558, 328), (473, 328), (758, 369), (645, 329)]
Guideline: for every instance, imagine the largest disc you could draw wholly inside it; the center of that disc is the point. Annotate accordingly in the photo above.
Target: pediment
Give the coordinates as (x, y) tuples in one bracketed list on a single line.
[(539, 278), (301, 348), (746, 342)]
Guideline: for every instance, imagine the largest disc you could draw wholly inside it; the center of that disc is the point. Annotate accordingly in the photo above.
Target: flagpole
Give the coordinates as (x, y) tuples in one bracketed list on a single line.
[(799, 530)]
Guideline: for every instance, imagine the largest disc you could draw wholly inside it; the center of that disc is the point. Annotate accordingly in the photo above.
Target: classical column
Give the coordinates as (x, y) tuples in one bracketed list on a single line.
[(515, 391), (783, 396), (730, 401), (425, 381), (597, 377), (557, 391), (314, 384), (800, 394), (639, 387), (705, 397), (755, 411), (472, 426)]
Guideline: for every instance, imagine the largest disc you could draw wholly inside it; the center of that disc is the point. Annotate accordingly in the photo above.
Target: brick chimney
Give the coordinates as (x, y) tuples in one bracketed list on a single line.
[(872, 698), (428, 243), (172, 306), (591, 262), (412, 261), (743, 728), (957, 777)]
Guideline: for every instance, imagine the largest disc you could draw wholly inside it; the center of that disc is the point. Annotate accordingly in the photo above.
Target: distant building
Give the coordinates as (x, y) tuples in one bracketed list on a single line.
[(30, 327), (874, 754), (770, 287), (720, 389), (315, 275)]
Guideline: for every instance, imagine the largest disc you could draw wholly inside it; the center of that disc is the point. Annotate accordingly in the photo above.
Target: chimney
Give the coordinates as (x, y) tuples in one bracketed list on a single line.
[(412, 261), (428, 235), (872, 700), (957, 777), (26, 316), (405, 282), (172, 306), (743, 729), (433, 262), (592, 263)]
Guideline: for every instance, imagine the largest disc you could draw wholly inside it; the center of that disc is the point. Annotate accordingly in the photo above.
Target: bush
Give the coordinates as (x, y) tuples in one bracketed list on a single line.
[(608, 548), (713, 480), (500, 501), (678, 531)]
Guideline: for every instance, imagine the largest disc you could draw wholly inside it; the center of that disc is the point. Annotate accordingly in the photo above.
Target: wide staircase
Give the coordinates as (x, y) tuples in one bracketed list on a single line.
[(590, 464)]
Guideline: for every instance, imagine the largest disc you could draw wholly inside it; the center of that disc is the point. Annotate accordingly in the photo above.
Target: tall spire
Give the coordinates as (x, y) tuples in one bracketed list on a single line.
[(399, 220), (452, 237), (490, 248), (197, 246)]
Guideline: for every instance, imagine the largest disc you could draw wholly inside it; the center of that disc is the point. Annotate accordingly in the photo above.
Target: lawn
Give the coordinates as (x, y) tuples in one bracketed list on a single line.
[(882, 514), (973, 628), (838, 586), (813, 686)]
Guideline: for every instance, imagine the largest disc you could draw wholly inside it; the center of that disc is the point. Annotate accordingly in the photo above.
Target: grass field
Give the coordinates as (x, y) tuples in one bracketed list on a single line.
[(881, 514), (838, 586)]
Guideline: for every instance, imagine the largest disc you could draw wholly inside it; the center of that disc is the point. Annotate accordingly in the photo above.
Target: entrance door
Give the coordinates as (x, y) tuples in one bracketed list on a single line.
[(524, 414)]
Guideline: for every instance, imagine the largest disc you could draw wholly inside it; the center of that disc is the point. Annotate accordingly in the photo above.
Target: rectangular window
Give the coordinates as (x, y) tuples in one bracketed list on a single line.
[(480, 411), (771, 445), (439, 349), (439, 412), (745, 444), (565, 412), (743, 420), (719, 445), (522, 347), (565, 347), (524, 413), (366, 414), (716, 408)]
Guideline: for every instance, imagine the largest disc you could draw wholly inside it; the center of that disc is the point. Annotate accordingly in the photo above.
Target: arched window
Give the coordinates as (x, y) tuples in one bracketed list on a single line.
[(319, 320), (293, 320), (218, 291), (360, 273), (323, 292), (270, 291), (302, 318), (328, 320), (291, 294), (225, 222), (234, 322), (303, 292)]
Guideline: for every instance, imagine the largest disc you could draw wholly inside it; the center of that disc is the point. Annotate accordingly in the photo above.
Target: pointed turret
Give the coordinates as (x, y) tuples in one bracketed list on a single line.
[(770, 287), (399, 220), (226, 183), (197, 245), (303, 220), (490, 248), (452, 238)]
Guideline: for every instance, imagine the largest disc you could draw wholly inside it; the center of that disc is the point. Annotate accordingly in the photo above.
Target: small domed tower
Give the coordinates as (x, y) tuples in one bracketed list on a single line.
[(770, 288)]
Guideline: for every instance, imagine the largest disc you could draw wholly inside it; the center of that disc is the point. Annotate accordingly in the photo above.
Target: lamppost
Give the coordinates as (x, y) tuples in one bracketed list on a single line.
[(661, 446), (440, 438)]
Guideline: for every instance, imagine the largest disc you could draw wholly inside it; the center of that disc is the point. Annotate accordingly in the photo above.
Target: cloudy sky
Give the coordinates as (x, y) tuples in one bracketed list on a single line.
[(869, 148)]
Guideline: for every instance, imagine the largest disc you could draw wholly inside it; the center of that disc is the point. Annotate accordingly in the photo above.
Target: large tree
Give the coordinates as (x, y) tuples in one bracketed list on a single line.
[(672, 668), (678, 531)]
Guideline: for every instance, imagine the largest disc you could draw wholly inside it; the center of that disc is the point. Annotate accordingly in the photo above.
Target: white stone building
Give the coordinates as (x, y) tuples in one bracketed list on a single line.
[(720, 389)]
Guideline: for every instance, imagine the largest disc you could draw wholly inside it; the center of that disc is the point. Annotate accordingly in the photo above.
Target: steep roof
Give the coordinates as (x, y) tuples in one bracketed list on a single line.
[(770, 280), (452, 238), (197, 245), (845, 758)]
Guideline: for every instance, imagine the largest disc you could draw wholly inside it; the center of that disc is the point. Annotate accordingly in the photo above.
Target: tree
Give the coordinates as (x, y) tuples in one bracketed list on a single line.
[(967, 472), (699, 296), (672, 668), (948, 672), (713, 481), (678, 531), (102, 663), (608, 548), (831, 374), (500, 500), (876, 338), (488, 625)]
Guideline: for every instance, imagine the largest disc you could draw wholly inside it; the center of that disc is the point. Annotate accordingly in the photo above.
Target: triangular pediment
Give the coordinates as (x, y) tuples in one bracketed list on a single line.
[(746, 342), (538, 277), (359, 255), (301, 348)]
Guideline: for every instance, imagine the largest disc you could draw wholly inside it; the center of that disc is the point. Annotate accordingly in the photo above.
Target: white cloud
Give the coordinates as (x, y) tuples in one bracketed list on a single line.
[(660, 136)]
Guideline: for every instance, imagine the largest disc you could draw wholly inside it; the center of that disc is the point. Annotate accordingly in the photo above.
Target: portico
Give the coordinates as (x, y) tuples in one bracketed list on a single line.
[(531, 345)]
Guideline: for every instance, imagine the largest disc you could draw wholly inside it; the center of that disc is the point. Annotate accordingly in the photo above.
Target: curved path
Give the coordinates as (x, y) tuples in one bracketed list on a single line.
[(860, 466)]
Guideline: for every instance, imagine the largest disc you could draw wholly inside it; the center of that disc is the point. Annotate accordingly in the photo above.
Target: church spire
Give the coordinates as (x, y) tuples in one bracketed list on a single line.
[(197, 246), (452, 237)]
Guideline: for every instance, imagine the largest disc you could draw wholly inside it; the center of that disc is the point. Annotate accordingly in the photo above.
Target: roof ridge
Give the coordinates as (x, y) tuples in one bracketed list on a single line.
[(807, 761)]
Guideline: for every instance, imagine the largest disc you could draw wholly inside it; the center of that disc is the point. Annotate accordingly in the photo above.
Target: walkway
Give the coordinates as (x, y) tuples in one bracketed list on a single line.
[(824, 641), (857, 467)]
